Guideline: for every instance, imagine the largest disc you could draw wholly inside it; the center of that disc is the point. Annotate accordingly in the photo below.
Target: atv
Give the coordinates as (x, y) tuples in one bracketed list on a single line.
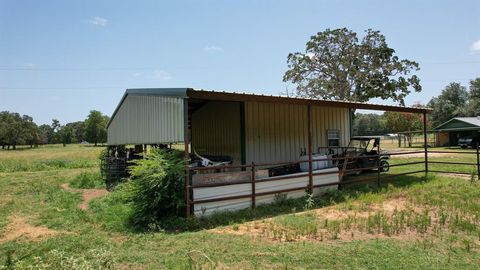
[(363, 153)]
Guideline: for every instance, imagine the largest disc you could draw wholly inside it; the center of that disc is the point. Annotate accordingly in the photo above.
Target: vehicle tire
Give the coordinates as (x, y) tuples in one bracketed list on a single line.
[(384, 166), (359, 168)]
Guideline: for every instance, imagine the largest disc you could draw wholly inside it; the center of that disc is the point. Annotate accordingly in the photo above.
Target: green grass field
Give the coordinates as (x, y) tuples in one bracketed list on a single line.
[(406, 223)]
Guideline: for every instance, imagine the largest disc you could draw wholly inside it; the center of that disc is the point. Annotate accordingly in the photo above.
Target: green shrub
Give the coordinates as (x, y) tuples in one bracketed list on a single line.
[(88, 180), (158, 187)]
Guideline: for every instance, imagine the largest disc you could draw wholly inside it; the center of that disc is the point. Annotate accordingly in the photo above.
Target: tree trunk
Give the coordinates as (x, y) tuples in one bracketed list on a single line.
[(399, 140), (14, 147)]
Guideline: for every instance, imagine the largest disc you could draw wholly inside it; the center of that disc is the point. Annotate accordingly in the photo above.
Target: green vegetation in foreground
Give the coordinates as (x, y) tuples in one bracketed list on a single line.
[(88, 180), (101, 237)]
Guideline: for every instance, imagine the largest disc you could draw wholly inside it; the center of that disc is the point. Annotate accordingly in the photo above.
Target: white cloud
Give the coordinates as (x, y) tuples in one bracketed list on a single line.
[(213, 49), (162, 75), (99, 21), (475, 46), (30, 65), (136, 74)]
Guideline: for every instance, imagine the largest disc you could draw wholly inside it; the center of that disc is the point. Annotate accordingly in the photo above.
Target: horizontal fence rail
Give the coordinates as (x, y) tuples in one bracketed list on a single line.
[(336, 162)]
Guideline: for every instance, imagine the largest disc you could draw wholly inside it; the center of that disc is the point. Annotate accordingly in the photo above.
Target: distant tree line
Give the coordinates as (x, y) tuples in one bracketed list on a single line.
[(454, 101), (16, 129)]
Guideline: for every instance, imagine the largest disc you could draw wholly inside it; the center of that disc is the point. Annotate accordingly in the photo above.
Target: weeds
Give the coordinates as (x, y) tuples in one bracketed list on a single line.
[(56, 259), (88, 180)]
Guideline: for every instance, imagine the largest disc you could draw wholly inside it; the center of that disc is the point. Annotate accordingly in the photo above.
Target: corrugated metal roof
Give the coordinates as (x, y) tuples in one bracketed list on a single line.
[(472, 121), (184, 93), (243, 96)]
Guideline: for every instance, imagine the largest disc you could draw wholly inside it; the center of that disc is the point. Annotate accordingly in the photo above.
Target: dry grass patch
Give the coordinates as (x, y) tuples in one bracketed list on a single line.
[(87, 194), (393, 218), (19, 228)]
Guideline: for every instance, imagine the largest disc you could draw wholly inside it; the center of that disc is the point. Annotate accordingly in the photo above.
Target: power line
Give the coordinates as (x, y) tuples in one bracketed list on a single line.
[(61, 88), (187, 67), (94, 68)]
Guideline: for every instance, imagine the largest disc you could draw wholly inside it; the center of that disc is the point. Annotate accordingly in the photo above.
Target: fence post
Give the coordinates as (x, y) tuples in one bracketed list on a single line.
[(378, 164), (253, 186), (478, 161), (425, 144)]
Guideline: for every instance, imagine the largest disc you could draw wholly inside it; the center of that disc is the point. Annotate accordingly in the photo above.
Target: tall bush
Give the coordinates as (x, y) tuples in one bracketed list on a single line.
[(158, 186)]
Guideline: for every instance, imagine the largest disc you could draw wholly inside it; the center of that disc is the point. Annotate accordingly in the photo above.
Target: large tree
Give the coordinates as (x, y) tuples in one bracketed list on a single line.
[(46, 134), (16, 129), (450, 103), (403, 122), (78, 130), (66, 135), (472, 108), (4, 115), (95, 127), (337, 65), (31, 133)]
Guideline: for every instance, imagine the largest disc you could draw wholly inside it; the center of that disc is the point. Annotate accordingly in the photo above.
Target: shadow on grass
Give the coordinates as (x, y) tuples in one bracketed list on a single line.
[(287, 206)]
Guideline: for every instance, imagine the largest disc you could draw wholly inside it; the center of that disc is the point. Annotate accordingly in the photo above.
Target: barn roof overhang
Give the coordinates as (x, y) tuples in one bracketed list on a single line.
[(232, 96), (201, 94), (466, 123)]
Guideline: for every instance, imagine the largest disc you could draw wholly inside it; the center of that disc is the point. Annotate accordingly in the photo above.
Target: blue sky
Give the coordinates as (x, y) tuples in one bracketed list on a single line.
[(60, 59)]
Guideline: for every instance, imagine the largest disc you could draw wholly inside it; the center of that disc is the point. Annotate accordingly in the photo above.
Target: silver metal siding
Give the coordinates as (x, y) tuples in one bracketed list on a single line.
[(144, 119), (216, 130), (278, 132)]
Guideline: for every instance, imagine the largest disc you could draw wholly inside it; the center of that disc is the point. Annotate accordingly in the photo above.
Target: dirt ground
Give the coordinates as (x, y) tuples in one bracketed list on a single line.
[(19, 228), (87, 194), (258, 229)]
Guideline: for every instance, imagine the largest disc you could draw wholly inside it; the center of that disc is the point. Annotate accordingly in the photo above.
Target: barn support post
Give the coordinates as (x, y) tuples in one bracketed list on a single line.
[(253, 187), (187, 158), (378, 163), (310, 165), (425, 143), (478, 161)]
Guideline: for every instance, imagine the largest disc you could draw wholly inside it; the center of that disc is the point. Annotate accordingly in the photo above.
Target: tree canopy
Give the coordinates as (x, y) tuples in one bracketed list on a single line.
[(450, 103), (337, 65), (368, 124), (16, 129), (96, 127)]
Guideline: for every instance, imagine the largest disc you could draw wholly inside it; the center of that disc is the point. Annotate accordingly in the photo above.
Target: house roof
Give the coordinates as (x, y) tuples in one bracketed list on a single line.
[(460, 123), (234, 96)]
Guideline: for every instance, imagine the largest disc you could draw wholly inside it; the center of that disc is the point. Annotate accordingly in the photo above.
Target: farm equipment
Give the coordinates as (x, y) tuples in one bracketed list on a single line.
[(363, 153)]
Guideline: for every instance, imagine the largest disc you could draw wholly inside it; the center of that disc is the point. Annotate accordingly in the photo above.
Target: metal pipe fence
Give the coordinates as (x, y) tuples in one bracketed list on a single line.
[(342, 172)]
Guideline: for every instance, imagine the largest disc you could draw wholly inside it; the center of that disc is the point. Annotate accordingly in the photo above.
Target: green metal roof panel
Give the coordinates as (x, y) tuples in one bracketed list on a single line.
[(460, 123)]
